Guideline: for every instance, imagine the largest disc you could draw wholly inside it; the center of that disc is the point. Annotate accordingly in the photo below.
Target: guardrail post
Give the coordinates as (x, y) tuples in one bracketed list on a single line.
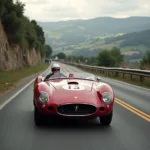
[(117, 74), (123, 75), (131, 77), (141, 78)]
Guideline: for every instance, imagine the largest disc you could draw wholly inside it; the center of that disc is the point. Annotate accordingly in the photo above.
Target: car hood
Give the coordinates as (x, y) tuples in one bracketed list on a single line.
[(73, 91)]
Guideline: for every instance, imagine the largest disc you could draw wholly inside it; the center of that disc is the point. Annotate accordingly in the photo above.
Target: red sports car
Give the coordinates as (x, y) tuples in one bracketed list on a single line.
[(72, 97)]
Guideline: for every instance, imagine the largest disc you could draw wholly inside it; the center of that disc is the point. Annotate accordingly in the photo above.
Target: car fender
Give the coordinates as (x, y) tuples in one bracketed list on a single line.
[(102, 88)]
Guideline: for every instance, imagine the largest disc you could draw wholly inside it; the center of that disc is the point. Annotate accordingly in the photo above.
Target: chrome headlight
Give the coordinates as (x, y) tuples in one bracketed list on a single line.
[(107, 98), (43, 97)]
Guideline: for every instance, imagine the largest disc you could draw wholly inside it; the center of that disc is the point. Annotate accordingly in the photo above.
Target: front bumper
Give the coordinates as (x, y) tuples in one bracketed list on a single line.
[(52, 110)]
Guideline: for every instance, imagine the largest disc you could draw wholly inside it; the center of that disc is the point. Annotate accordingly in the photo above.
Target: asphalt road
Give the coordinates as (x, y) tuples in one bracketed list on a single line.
[(128, 131)]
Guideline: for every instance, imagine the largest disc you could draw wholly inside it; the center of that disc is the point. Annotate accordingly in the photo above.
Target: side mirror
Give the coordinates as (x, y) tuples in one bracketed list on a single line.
[(40, 78), (98, 79)]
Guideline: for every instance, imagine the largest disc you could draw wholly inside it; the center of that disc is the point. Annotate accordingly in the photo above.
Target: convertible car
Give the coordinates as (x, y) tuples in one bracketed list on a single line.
[(72, 97)]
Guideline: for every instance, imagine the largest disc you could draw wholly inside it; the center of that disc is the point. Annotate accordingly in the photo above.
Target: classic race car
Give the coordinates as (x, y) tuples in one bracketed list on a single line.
[(72, 97)]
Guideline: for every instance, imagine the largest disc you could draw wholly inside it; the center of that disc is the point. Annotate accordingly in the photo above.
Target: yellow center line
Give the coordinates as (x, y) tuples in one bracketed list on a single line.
[(127, 106), (139, 111), (133, 110), (64, 69)]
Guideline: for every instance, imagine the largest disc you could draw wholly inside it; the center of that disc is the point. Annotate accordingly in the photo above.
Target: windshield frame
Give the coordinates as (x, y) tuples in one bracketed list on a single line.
[(67, 78)]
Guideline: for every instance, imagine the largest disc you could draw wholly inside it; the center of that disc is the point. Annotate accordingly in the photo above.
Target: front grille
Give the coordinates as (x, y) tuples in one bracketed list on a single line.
[(76, 109)]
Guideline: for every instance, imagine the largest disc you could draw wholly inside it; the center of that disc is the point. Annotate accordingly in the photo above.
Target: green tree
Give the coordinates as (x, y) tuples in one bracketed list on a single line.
[(48, 51), (19, 8), (105, 58), (146, 60), (39, 31), (92, 60), (81, 58), (2, 8), (14, 27), (31, 36), (19, 29), (61, 55), (115, 52)]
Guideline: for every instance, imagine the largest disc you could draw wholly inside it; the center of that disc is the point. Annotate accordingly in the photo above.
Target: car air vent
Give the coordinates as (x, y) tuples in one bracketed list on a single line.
[(72, 82)]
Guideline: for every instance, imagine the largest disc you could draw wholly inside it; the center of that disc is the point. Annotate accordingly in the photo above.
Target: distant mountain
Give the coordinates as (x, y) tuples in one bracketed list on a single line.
[(76, 31)]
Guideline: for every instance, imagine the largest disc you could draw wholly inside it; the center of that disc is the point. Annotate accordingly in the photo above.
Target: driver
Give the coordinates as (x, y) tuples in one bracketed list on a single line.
[(55, 68)]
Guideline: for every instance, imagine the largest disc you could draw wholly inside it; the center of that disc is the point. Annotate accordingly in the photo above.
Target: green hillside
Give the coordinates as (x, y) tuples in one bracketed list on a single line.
[(132, 45), (72, 32)]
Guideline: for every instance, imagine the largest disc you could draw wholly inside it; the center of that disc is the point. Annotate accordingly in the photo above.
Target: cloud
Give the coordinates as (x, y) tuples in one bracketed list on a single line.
[(55, 10), (36, 2)]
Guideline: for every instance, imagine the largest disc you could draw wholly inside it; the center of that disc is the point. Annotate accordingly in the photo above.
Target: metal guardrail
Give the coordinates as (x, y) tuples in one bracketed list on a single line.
[(103, 70)]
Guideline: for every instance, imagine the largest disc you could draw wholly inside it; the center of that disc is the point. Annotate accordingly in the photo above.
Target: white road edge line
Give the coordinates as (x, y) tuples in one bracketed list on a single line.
[(12, 97)]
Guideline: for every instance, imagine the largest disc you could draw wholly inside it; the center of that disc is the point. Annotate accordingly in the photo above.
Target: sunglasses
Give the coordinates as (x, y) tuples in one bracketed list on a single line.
[(55, 69)]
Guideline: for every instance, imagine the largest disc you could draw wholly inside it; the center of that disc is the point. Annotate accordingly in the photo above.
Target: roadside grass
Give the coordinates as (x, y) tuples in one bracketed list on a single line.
[(9, 79), (127, 78)]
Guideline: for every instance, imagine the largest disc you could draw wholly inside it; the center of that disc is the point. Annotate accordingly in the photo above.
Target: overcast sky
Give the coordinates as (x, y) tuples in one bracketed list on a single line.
[(58, 10)]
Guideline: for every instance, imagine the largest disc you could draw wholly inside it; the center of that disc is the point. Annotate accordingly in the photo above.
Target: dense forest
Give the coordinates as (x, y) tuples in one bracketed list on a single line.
[(19, 29)]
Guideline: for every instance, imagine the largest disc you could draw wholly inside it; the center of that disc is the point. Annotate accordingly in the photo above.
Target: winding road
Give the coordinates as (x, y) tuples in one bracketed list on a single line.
[(129, 130)]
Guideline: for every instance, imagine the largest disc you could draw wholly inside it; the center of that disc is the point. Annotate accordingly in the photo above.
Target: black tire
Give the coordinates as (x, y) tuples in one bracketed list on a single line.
[(38, 117), (106, 120)]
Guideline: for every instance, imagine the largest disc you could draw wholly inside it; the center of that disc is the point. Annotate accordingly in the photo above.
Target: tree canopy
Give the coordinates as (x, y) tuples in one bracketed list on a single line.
[(48, 51), (19, 29), (110, 58), (60, 55), (146, 60)]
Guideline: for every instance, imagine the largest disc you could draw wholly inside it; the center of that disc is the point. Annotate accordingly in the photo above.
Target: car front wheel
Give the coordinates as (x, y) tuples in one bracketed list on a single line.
[(38, 117), (106, 120)]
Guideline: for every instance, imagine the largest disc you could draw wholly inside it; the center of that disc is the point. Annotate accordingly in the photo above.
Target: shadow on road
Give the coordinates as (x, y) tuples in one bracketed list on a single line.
[(71, 124)]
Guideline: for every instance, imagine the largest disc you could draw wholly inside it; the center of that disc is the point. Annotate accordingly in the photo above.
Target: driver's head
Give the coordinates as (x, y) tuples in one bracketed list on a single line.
[(55, 68)]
